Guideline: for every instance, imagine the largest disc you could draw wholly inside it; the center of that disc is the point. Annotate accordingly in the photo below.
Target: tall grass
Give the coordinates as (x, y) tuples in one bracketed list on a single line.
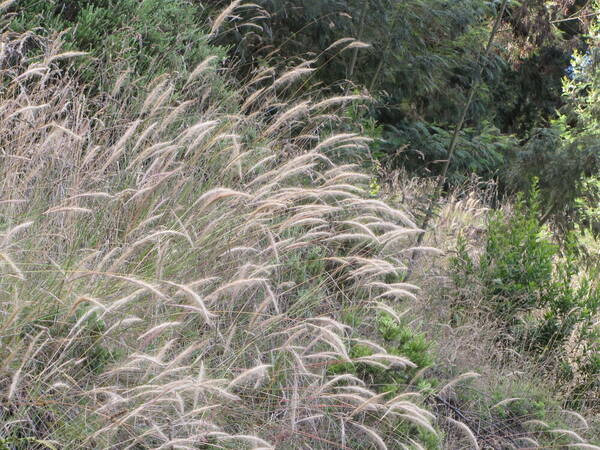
[(520, 400), (173, 274)]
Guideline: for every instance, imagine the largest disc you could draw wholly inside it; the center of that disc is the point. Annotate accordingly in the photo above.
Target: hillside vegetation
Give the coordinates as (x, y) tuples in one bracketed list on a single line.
[(230, 225)]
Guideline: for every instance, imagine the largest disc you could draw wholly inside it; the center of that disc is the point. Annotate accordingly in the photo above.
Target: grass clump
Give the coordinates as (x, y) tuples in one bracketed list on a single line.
[(171, 279), (191, 261)]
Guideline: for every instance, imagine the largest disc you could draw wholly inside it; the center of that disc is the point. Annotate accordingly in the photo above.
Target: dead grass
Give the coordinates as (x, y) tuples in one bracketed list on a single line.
[(147, 296), (173, 274), (470, 342)]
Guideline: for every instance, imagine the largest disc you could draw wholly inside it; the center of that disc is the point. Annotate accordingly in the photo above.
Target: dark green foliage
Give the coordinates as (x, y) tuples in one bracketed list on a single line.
[(542, 298), (148, 36), (422, 148), (398, 339), (420, 42), (527, 93), (564, 168), (422, 59), (565, 154)]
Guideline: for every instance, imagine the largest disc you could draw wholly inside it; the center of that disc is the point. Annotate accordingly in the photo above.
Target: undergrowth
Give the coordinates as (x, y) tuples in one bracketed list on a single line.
[(191, 261), (173, 273)]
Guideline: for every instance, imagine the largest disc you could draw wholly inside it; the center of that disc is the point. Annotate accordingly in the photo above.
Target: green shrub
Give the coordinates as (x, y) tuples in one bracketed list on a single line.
[(538, 293), (516, 267), (400, 340), (397, 339), (149, 36)]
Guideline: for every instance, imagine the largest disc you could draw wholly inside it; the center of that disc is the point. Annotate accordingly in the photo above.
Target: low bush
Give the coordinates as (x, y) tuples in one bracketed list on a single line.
[(147, 37), (542, 297)]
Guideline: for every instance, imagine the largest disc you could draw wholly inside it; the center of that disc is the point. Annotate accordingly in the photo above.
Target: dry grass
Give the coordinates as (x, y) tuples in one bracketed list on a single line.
[(173, 275), (148, 294), (469, 342)]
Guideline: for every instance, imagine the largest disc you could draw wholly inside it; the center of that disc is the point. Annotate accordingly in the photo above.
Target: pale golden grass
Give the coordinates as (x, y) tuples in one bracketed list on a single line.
[(7, 4), (471, 345), (467, 432), (155, 298), (224, 15)]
